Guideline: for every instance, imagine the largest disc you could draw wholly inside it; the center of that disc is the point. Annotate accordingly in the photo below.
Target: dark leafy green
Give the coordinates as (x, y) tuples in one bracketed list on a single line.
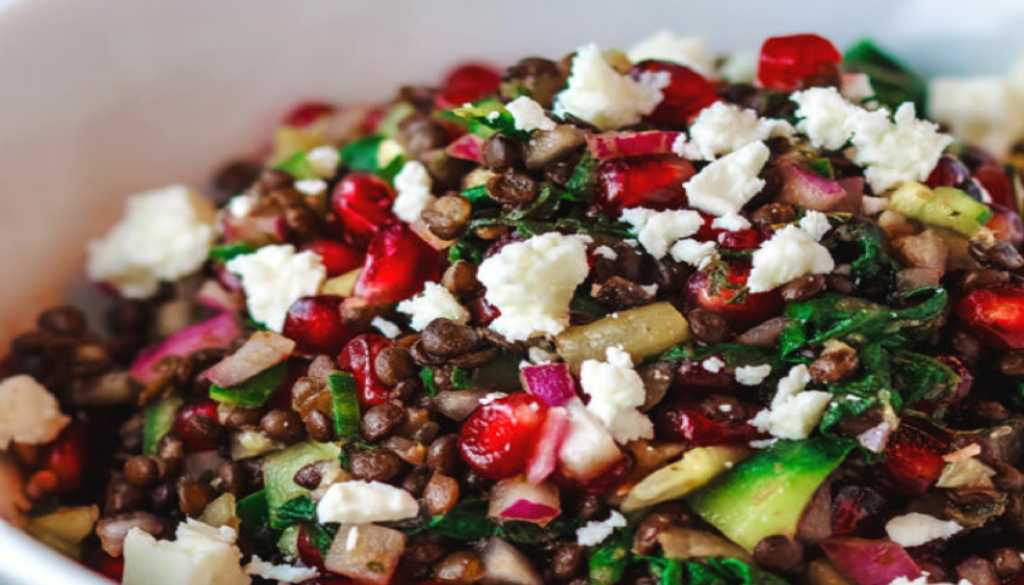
[(581, 185), (733, 354), (722, 571), (345, 404), (227, 252), (608, 562), (253, 392), (872, 387), (427, 376), (862, 245), (823, 168), (322, 536), (461, 379), (297, 510), (252, 510), (361, 153), (894, 83), (467, 521), (919, 377), (487, 117)]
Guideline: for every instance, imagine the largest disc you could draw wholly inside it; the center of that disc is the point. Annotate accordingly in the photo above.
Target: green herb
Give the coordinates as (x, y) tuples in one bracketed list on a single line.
[(322, 536), (581, 185), (529, 228), (227, 252), (252, 510), (894, 83), (476, 195), (344, 460), (253, 392), (724, 571), (584, 304), (297, 510), (609, 561), (392, 168), (666, 571), (467, 521), (298, 166), (427, 375), (823, 168), (872, 388), (461, 379), (254, 324), (737, 354), (544, 205), (469, 248), (488, 116), (345, 404), (862, 245), (529, 533), (919, 377), (361, 153)]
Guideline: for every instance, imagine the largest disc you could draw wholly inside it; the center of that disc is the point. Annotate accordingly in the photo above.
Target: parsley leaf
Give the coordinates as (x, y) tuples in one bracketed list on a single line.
[(227, 252), (297, 510)]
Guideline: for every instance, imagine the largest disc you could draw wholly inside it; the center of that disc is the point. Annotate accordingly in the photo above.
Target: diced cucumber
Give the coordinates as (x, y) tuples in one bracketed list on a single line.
[(298, 166), (159, 418), (943, 207), (766, 494), (65, 529), (253, 392), (279, 472), (288, 544)]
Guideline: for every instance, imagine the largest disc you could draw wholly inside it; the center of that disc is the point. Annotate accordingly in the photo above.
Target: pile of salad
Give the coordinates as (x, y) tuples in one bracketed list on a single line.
[(631, 317)]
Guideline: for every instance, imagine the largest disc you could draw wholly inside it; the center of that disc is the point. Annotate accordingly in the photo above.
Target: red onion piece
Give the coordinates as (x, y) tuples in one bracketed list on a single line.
[(552, 383), (515, 499), (870, 562), (214, 295), (264, 228), (545, 453), (466, 147), (263, 350), (622, 144), (803, 187), (112, 531), (217, 332)]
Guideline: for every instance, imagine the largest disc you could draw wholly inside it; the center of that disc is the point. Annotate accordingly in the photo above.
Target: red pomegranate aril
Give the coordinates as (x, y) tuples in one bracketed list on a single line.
[(685, 421), (739, 240), (995, 315), (306, 114), (497, 439), (913, 457), (785, 61), (693, 378), (182, 427), (467, 83), (1006, 225), (602, 483), (316, 326), (104, 564), (949, 172), (398, 264), (359, 358), (481, 312), (309, 554), (655, 182), (65, 458), (854, 508), (362, 203), (337, 257), (686, 94), (997, 183), (741, 312)]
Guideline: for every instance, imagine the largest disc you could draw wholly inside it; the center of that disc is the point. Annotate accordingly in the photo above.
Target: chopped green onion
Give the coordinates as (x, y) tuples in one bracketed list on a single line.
[(345, 403), (253, 392)]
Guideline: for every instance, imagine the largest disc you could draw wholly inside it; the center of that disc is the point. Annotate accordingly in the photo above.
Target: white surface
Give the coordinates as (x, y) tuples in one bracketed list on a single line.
[(104, 98)]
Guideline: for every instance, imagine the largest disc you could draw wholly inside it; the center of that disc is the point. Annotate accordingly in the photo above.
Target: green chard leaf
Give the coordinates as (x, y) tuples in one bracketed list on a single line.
[(894, 83), (252, 510), (253, 392), (467, 521), (489, 116), (919, 377), (862, 244), (297, 510), (873, 387), (581, 185), (345, 403), (609, 560), (722, 571), (476, 195), (461, 379), (469, 248), (361, 153), (227, 252)]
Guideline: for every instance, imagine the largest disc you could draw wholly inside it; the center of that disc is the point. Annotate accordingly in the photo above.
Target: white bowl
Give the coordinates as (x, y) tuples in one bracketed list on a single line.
[(104, 98)]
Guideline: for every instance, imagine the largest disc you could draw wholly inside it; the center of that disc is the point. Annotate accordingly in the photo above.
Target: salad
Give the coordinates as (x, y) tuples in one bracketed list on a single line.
[(630, 317)]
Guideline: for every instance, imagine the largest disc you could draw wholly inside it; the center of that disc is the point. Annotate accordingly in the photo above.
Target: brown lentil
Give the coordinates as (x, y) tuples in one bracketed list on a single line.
[(205, 429), (420, 133), (424, 550), (122, 497), (542, 78), (779, 553), (440, 494), (512, 188), (319, 426), (566, 560), (708, 326), (460, 279), (447, 338), (803, 288), (375, 464), (67, 321), (840, 284), (162, 497), (141, 471), (977, 571), (233, 179), (459, 568), (657, 379), (448, 216), (619, 293), (240, 417), (765, 334), (835, 364), (308, 476), (443, 454), (381, 420), (416, 481), (645, 541), (559, 172), (421, 356), (232, 477), (271, 180), (500, 153), (967, 347), (996, 254), (1008, 562), (284, 426), (773, 214), (394, 364), (476, 359)]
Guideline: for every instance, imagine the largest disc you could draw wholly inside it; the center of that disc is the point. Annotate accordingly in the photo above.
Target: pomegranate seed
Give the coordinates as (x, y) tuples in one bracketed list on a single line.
[(359, 358), (467, 83), (398, 264), (184, 427), (854, 508), (498, 437), (362, 202), (695, 379), (481, 312), (996, 182), (741, 312), (745, 239), (309, 554), (66, 458), (306, 114), (601, 483), (686, 420), (950, 172), (913, 457), (104, 564), (371, 121), (338, 258), (785, 61), (686, 94), (654, 182), (995, 315), (316, 326), (1007, 225)]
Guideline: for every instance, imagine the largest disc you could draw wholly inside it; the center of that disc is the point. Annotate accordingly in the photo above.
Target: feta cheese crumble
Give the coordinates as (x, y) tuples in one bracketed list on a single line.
[(324, 160), (731, 222), (532, 282), (694, 253), (987, 111), (274, 277), (164, 235), (789, 254), (667, 46), (528, 115), (389, 329), (359, 502), (794, 411), (606, 253), (280, 573), (200, 555), (616, 390), (595, 532), (923, 580), (752, 375), (915, 529), (435, 302), (816, 224), (658, 230), (412, 190), (29, 414), (599, 94), (713, 364), (242, 205), (722, 128), (311, 187), (727, 184)]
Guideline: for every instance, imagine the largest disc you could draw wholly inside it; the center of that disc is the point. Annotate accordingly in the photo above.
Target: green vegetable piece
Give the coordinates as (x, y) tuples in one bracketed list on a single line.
[(288, 543), (321, 536), (388, 126), (427, 375), (823, 168), (476, 195), (345, 403), (279, 470), (253, 392), (252, 510), (581, 185), (297, 510), (467, 521), (298, 166), (767, 493), (944, 207), (667, 571), (863, 246), (461, 379), (873, 387), (894, 83), (394, 166), (64, 529), (361, 153), (713, 571), (609, 561), (157, 422), (487, 117), (227, 252)]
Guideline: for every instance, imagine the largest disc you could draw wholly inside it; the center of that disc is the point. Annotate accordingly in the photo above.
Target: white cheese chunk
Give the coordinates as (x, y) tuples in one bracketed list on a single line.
[(722, 128), (731, 222), (324, 160), (713, 364), (242, 205), (816, 224), (915, 529), (280, 573), (274, 277), (794, 411), (599, 94), (987, 111), (789, 254), (616, 390), (752, 375), (360, 502), (606, 253), (826, 117), (388, 328), (588, 449), (856, 87), (200, 555), (694, 253), (727, 184), (29, 414), (412, 192), (923, 580), (532, 282), (164, 235), (595, 532), (311, 187), (435, 302), (658, 230), (667, 46), (528, 115)]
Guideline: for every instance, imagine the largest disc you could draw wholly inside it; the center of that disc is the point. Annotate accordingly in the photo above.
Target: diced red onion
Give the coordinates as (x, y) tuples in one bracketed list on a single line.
[(545, 452), (255, 228), (216, 296), (466, 147), (621, 144), (112, 531), (803, 187), (264, 350), (516, 499), (870, 562), (503, 563), (552, 383), (217, 332)]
